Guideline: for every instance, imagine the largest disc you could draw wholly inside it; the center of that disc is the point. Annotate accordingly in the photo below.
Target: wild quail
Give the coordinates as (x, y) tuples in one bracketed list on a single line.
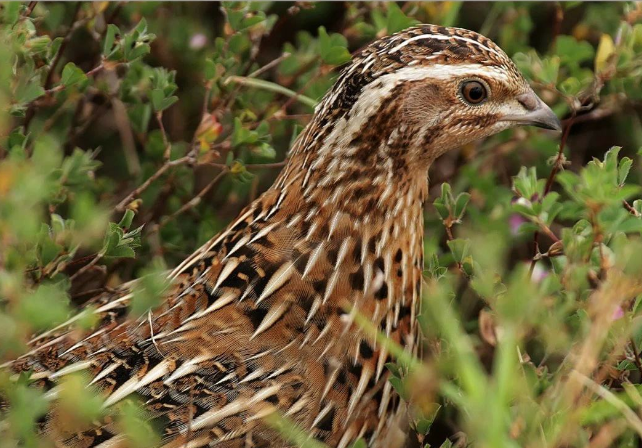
[(262, 317)]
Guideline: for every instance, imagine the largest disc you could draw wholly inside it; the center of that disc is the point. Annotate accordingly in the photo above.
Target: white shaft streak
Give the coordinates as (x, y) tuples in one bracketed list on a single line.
[(134, 383), (240, 404)]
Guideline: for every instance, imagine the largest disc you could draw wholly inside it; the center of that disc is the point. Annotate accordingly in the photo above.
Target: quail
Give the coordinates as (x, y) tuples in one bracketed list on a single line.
[(262, 317)]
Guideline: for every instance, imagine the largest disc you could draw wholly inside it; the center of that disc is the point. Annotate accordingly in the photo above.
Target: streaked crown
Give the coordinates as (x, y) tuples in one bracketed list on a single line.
[(415, 47)]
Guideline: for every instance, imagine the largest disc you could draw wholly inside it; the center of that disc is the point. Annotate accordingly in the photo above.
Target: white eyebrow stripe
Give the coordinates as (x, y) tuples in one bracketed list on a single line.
[(441, 37), (371, 97), (445, 71)]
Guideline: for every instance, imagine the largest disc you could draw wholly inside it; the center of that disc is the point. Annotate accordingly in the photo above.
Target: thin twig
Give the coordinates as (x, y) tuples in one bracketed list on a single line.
[(74, 132), (557, 165), (31, 108), (636, 356), (272, 87), (126, 136), (548, 231), (193, 151), (63, 45), (594, 115), (448, 224), (608, 396), (86, 267), (299, 92), (161, 126), (269, 65), (60, 87), (195, 200), (167, 165), (206, 97), (54, 117), (250, 166), (29, 9), (630, 208)]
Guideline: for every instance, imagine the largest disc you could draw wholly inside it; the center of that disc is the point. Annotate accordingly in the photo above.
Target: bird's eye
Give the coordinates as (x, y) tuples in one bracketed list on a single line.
[(473, 92)]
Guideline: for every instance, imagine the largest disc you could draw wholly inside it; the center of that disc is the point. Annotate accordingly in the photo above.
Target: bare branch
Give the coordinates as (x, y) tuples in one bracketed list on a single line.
[(167, 165)]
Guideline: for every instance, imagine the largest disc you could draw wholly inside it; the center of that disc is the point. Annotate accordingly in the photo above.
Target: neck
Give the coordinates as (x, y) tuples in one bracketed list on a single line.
[(346, 182), (358, 165)]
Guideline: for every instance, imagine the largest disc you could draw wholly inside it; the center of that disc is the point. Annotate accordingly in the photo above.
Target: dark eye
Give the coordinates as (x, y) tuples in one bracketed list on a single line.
[(473, 92)]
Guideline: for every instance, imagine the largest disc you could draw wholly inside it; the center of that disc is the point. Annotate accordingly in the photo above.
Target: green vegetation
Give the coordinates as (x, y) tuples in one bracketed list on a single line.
[(130, 133)]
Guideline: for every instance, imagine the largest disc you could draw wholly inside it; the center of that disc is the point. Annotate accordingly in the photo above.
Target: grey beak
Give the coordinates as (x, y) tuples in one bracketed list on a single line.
[(536, 113)]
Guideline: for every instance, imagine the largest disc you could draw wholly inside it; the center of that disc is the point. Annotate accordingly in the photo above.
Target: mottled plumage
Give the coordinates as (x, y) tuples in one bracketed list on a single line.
[(262, 316)]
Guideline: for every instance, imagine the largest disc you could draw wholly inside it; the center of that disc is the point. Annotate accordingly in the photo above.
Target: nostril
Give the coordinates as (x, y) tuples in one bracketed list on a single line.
[(528, 100)]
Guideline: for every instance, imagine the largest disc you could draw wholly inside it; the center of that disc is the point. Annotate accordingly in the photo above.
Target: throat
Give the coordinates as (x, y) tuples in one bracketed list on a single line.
[(379, 193), (366, 174)]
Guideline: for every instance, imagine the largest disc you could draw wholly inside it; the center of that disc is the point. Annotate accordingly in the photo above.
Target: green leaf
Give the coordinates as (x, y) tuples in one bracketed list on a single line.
[(28, 92), (149, 289), (135, 425), (126, 221), (549, 70), (141, 27), (78, 168), (71, 75), (169, 101), (138, 51), (605, 49), (118, 244), (79, 399), (397, 20), (527, 185), (157, 96), (623, 170), (45, 307), (573, 51), (164, 85), (601, 410), (393, 368), (11, 11), (139, 116), (27, 405), (47, 248), (248, 22), (53, 49), (459, 248), (460, 205), (333, 48), (398, 385), (264, 150), (110, 39)]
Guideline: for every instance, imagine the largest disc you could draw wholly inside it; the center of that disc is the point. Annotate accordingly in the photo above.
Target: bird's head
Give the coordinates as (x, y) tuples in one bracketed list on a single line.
[(424, 91)]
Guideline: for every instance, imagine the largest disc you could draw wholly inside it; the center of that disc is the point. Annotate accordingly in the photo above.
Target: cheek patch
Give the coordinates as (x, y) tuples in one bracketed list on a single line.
[(424, 105)]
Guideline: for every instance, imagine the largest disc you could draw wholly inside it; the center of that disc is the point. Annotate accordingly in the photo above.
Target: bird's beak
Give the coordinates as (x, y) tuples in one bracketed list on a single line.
[(535, 113)]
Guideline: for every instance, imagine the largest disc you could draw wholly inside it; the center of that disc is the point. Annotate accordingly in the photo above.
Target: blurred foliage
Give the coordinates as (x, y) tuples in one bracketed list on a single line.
[(130, 133)]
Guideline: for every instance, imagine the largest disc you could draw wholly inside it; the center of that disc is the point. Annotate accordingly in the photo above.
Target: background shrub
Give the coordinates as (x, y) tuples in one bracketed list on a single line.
[(130, 133)]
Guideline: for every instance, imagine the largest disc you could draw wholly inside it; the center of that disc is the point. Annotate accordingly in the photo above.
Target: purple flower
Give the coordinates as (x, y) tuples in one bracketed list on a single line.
[(515, 222), (198, 41), (618, 313), (539, 273)]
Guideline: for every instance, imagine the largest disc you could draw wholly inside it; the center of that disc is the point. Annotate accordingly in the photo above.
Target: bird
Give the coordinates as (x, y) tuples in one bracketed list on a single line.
[(263, 317)]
